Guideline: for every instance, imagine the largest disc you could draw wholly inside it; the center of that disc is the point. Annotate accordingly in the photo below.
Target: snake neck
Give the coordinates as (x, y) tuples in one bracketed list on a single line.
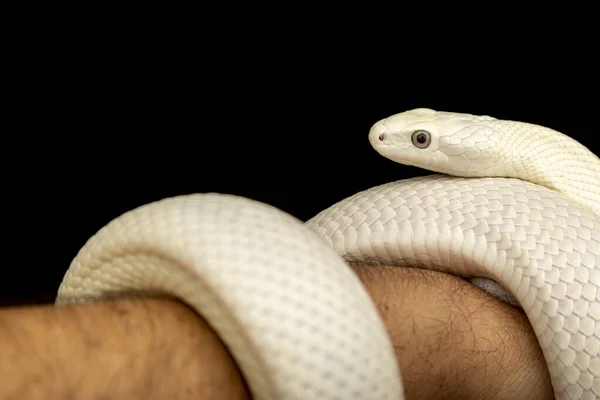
[(549, 158)]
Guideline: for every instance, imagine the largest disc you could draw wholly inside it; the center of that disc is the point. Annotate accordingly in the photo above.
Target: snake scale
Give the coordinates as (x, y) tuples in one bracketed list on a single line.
[(512, 203)]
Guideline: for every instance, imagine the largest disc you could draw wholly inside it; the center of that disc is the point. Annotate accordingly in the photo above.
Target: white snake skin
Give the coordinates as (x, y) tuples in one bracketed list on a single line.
[(295, 317)]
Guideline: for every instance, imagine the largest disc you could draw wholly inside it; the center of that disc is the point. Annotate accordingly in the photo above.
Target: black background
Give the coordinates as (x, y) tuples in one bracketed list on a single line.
[(106, 126)]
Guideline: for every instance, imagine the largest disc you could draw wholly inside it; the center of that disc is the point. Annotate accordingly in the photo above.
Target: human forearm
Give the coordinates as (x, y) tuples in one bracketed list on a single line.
[(146, 348)]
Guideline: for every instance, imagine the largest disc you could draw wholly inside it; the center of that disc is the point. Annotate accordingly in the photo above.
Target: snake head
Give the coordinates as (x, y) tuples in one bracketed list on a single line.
[(451, 143)]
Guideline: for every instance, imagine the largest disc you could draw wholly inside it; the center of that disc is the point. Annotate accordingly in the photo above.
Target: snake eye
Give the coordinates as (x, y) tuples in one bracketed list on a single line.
[(421, 139)]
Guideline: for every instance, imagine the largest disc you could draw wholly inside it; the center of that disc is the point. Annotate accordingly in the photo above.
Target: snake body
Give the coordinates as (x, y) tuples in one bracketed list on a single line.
[(521, 210)]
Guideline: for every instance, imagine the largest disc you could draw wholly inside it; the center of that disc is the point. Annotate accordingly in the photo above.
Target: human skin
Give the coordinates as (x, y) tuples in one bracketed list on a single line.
[(451, 339), (124, 349)]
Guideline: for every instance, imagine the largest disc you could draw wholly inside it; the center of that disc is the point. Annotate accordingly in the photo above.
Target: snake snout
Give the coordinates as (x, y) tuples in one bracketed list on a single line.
[(378, 134)]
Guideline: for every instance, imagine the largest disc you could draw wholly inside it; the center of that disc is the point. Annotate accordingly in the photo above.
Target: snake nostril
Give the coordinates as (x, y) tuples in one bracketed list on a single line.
[(381, 137)]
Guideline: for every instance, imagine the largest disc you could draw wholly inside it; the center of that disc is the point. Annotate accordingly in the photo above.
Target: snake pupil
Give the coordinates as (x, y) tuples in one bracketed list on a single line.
[(421, 139)]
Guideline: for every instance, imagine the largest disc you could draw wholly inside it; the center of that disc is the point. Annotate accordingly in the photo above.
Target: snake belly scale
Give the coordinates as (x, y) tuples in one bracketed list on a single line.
[(516, 203)]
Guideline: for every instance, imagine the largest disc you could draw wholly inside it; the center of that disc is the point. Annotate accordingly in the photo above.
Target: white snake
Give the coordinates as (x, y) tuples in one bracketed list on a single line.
[(522, 209)]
